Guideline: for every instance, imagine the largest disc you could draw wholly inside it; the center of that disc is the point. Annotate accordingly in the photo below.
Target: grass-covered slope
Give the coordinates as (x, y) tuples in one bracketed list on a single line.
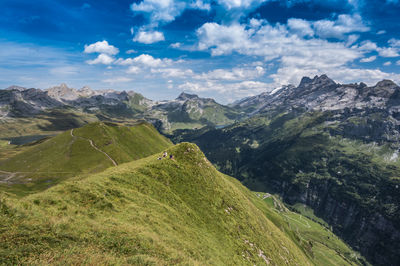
[(150, 211), (89, 149)]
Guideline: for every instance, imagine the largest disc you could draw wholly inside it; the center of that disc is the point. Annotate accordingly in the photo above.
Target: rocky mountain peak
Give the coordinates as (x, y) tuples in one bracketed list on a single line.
[(15, 87), (323, 80), (186, 96), (305, 81), (386, 83)]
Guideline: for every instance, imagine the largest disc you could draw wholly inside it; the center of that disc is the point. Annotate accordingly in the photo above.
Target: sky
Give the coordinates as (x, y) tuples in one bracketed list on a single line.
[(223, 49)]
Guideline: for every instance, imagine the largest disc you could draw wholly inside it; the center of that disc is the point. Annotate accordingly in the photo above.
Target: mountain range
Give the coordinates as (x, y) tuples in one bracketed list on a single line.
[(186, 111), (329, 151)]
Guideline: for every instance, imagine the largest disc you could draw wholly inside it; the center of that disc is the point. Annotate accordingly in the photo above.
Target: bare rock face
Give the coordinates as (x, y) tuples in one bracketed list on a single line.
[(17, 101), (322, 93)]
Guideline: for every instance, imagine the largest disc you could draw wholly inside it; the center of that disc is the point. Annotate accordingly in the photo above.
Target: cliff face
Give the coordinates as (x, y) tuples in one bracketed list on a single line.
[(372, 234)]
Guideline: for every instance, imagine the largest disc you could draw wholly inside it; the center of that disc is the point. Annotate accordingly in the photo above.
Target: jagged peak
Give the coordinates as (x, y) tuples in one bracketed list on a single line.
[(186, 96), (304, 81), (323, 79), (386, 83)]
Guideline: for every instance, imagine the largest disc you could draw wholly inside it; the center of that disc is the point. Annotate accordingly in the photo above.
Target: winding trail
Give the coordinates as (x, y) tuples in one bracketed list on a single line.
[(95, 147), (10, 175)]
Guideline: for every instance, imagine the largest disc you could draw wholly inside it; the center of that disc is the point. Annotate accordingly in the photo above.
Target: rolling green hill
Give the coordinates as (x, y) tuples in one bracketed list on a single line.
[(157, 212), (88, 149)]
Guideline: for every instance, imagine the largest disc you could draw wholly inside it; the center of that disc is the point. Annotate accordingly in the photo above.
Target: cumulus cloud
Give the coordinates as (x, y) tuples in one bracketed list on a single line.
[(104, 59), (388, 52), (388, 63), (300, 27), (368, 59), (149, 37), (101, 47), (150, 61), (338, 29), (259, 38), (295, 51), (164, 11), (143, 61)]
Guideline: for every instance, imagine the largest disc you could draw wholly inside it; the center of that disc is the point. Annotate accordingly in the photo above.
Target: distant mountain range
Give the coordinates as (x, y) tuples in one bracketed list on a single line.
[(186, 111)]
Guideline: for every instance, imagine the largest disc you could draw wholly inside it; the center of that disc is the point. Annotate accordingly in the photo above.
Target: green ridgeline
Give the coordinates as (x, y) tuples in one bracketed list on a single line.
[(152, 212), (49, 161)]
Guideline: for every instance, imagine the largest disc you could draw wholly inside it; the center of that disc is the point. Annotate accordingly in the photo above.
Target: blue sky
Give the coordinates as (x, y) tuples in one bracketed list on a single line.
[(225, 49)]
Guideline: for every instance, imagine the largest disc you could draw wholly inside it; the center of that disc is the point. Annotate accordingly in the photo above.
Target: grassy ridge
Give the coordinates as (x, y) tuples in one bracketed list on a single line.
[(47, 162), (149, 211), (123, 143)]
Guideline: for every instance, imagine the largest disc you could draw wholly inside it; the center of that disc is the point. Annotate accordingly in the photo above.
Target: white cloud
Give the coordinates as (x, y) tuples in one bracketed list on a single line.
[(175, 45), (367, 46), (104, 59), (131, 51), (164, 11), (240, 4), (199, 4), (117, 80), (300, 27), (388, 63), (173, 72), (263, 39), (394, 42), (368, 59), (145, 60), (150, 61), (388, 52), (393, 51), (398, 63), (133, 70), (381, 32), (343, 25), (101, 47), (149, 37)]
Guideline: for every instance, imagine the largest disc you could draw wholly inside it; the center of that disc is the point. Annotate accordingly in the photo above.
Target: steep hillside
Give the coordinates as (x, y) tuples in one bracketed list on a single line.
[(150, 211), (89, 149), (333, 147)]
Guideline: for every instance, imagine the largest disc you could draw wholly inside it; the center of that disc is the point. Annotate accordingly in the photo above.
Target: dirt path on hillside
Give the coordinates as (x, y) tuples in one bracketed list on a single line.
[(10, 175), (95, 147)]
